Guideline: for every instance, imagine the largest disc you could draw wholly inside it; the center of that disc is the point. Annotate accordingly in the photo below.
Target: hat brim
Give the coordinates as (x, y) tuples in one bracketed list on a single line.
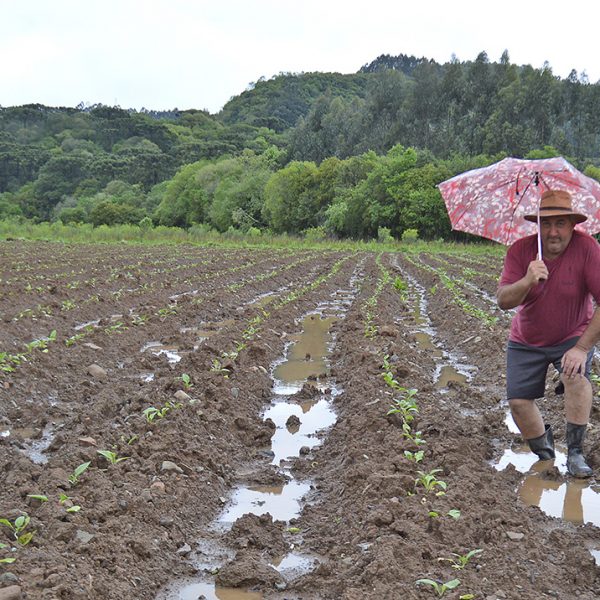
[(577, 217)]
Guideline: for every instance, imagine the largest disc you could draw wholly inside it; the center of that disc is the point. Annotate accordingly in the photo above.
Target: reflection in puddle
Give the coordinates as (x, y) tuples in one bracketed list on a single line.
[(574, 500), (159, 348), (35, 448), (448, 374), (307, 355), (286, 442), (281, 502), (596, 555), (208, 591), (424, 340)]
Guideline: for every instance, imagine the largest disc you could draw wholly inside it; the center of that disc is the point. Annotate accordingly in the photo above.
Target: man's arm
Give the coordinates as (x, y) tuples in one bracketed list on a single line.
[(573, 361), (513, 294)]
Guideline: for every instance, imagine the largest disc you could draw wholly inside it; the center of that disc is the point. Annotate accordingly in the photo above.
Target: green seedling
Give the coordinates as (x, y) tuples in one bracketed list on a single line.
[(74, 509), (453, 512), (460, 561), (187, 381), (217, 367), (415, 457), (39, 497), (63, 498), (7, 560), (293, 530), (18, 529), (78, 472), (438, 586), (429, 481), (112, 457)]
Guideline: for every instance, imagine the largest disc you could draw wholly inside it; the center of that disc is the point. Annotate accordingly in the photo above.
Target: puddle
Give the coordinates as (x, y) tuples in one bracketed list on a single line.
[(34, 449), (208, 591), (305, 357), (449, 374), (596, 555), (159, 348), (87, 324), (449, 368), (565, 497)]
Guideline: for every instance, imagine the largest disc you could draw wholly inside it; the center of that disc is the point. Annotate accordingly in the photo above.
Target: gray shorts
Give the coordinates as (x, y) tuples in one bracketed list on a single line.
[(527, 366)]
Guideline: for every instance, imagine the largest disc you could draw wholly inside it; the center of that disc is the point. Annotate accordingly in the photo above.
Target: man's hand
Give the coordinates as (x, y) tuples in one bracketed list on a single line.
[(573, 362), (537, 271)]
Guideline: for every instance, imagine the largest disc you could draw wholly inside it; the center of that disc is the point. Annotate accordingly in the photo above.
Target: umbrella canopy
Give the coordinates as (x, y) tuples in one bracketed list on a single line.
[(491, 201)]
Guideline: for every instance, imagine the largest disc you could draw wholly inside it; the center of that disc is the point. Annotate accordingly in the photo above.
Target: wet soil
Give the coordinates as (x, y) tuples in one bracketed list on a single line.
[(228, 316)]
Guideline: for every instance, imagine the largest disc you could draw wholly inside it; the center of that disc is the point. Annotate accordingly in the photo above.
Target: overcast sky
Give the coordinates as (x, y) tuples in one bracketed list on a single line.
[(163, 54)]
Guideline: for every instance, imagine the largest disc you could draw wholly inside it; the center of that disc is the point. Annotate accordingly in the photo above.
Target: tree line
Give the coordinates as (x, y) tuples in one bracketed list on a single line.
[(319, 154)]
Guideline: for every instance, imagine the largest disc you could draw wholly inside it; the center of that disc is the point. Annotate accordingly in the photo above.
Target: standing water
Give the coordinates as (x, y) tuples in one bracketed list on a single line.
[(304, 370)]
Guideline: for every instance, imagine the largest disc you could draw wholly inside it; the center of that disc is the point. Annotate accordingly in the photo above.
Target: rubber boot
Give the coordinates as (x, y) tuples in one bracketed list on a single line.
[(576, 464), (543, 445)]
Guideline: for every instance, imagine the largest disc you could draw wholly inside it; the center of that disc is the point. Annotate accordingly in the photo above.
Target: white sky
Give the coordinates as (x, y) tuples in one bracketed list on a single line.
[(163, 54)]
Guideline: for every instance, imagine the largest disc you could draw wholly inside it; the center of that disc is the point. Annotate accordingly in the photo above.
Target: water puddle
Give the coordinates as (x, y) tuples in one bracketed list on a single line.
[(34, 448), (205, 330), (547, 485), (87, 324), (449, 368), (300, 408), (158, 348)]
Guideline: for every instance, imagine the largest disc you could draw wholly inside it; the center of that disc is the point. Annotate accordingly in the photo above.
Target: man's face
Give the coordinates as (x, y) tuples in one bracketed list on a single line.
[(556, 234)]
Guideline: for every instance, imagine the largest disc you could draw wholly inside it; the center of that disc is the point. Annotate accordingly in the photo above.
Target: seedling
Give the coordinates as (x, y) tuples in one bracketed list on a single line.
[(18, 529), (217, 367), (415, 457), (453, 512), (78, 472), (438, 586), (39, 497), (187, 381), (460, 561), (74, 509), (7, 560), (429, 481), (112, 457)]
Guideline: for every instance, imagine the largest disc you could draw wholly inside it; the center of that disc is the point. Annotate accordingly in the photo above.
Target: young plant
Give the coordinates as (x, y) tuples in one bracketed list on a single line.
[(187, 381), (460, 561), (18, 529), (429, 481), (438, 586), (7, 560), (415, 457), (78, 472), (453, 512), (112, 457), (39, 497)]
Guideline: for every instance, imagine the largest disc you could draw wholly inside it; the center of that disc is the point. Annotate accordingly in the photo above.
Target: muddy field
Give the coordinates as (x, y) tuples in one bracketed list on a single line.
[(187, 422)]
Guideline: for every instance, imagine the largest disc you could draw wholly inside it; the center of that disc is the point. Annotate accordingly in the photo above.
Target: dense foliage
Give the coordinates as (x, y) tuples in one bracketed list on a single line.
[(354, 155)]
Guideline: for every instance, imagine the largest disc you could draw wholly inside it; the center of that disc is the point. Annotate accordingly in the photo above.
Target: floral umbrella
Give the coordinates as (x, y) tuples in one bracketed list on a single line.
[(491, 201)]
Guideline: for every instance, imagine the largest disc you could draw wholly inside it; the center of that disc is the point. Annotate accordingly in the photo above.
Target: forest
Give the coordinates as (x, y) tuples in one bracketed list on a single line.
[(315, 154)]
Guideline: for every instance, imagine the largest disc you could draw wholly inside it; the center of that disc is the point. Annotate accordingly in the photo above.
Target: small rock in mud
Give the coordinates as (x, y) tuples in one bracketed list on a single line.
[(168, 465), (12, 592), (97, 371), (181, 396)]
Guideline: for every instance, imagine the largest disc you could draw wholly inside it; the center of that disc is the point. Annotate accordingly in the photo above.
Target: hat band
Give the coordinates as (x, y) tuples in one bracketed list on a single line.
[(566, 209)]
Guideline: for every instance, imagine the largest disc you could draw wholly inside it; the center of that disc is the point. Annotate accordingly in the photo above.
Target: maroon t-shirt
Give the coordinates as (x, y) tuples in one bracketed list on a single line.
[(561, 307)]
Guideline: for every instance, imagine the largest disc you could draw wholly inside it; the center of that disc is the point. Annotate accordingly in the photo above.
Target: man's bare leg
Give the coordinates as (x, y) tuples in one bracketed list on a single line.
[(527, 416)]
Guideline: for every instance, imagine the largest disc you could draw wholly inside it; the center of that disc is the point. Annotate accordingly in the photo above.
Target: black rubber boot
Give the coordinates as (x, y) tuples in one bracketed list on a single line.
[(576, 464), (543, 446)]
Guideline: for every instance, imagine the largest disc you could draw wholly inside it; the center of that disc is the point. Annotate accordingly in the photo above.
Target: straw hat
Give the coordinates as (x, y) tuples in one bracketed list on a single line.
[(556, 203)]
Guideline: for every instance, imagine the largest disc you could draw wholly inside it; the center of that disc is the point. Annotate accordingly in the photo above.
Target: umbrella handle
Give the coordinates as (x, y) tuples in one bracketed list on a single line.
[(539, 233)]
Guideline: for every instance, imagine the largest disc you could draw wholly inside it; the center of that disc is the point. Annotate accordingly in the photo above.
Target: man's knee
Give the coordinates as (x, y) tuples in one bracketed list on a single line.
[(577, 385), (520, 406)]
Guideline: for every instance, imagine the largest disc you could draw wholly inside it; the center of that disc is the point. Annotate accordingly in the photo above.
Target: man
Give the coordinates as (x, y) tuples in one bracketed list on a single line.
[(555, 323)]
